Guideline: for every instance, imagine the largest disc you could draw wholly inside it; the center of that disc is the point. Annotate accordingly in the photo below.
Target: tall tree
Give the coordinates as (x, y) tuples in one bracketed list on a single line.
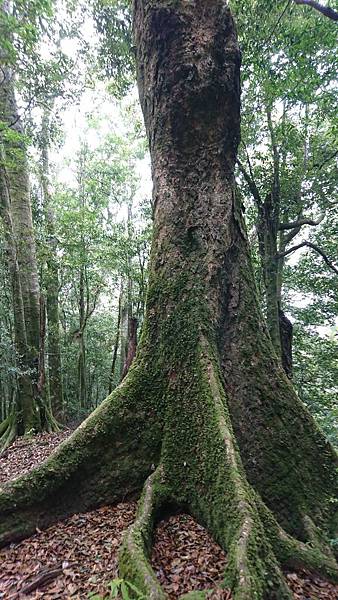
[(205, 403), (17, 217), (22, 418), (52, 275), (287, 153)]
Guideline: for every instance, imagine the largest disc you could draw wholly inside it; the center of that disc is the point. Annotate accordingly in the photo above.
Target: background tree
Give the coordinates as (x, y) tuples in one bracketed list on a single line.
[(32, 409), (96, 251), (39, 81), (287, 154)]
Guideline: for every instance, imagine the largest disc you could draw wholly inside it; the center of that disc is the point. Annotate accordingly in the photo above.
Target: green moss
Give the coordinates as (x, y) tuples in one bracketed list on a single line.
[(134, 554)]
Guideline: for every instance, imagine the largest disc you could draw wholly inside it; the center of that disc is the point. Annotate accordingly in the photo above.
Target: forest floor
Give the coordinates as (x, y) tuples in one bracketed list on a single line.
[(77, 557)]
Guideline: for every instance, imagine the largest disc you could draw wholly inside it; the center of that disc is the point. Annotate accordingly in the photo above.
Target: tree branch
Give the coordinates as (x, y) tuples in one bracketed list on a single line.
[(313, 247), (251, 183), (326, 160), (289, 237), (300, 223), (276, 162), (325, 10)]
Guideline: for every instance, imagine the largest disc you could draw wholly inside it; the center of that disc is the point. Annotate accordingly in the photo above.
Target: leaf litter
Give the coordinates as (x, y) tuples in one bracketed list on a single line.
[(26, 452), (79, 555), (186, 558)]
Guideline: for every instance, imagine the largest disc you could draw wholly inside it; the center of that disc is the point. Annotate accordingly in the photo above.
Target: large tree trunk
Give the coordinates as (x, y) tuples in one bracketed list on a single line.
[(205, 402), (23, 419), (15, 165), (17, 172)]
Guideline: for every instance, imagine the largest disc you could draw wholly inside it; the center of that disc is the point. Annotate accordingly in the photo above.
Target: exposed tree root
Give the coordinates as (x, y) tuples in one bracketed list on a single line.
[(134, 562), (105, 460), (51, 425), (8, 431), (257, 546), (9, 428), (113, 452)]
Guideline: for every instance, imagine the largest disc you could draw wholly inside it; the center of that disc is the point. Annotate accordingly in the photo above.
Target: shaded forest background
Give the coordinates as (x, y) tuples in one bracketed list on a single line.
[(78, 132)]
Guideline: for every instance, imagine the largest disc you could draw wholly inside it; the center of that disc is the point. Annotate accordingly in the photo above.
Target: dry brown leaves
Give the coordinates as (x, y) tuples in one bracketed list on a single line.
[(26, 453), (79, 555), (186, 558), (68, 560), (306, 586)]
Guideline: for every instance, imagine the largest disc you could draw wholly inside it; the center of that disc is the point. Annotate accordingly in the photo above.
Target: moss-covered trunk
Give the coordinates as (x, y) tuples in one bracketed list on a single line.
[(15, 165), (22, 418), (17, 171), (205, 409)]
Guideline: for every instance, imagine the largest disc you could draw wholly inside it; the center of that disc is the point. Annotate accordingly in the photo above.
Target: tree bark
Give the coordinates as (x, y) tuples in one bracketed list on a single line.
[(117, 340), (205, 410), (132, 345), (52, 279), (25, 416), (267, 229), (14, 161), (81, 361), (128, 333), (17, 172), (286, 335)]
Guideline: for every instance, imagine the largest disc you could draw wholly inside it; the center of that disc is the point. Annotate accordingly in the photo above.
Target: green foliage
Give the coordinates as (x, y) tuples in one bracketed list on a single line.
[(21, 28), (120, 588), (289, 66), (316, 376), (95, 243), (113, 24)]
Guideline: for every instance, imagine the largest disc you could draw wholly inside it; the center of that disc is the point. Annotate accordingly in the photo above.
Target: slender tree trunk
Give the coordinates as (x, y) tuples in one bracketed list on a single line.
[(132, 345), (81, 361), (52, 279), (205, 411), (267, 234), (286, 337), (117, 340), (279, 326), (123, 335), (127, 307)]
